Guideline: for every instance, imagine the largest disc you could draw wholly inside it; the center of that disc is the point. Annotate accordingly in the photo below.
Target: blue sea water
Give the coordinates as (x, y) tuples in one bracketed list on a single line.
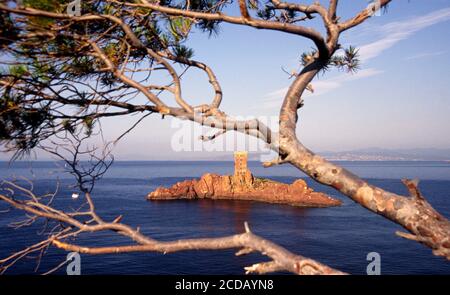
[(340, 237)]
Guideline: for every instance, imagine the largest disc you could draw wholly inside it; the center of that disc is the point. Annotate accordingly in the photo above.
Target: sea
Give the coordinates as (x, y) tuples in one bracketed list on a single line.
[(341, 237)]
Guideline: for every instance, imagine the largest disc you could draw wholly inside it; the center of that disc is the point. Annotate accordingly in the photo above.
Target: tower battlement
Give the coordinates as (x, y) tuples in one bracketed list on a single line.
[(241, 172), (240, 163)]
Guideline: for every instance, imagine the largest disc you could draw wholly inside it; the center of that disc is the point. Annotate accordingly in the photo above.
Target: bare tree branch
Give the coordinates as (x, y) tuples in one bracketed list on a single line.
[(113, 47), (283, 258)]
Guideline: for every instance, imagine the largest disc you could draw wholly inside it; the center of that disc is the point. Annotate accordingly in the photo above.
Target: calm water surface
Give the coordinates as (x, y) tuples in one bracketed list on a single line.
[(340, 237)]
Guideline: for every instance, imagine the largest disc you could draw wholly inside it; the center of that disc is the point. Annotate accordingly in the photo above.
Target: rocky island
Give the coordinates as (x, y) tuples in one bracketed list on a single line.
[(242, 185)]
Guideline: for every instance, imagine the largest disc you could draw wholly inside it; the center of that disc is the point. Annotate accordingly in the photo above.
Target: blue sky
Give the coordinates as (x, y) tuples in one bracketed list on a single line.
[(399, 99)]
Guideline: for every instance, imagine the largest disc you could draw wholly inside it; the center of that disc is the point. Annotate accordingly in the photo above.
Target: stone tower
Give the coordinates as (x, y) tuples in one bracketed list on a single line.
[(241, 173), (240, 163)]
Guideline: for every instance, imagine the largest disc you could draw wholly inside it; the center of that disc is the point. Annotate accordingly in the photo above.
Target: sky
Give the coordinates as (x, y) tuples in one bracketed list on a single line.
[(398, 99)]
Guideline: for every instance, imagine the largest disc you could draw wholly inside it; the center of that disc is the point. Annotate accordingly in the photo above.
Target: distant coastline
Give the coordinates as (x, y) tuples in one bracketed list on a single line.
[(6, 162), (361, 155)]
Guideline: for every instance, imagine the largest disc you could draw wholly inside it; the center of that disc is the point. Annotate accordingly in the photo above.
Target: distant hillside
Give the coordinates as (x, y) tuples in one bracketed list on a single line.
[(380, 154), (368, 154)]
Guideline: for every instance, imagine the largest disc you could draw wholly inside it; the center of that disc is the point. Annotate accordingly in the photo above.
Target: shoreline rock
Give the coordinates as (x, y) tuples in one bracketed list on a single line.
[(247, 187)]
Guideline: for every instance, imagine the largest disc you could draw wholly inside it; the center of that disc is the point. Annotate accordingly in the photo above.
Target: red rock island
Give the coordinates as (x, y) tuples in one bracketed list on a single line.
[(242, 185)]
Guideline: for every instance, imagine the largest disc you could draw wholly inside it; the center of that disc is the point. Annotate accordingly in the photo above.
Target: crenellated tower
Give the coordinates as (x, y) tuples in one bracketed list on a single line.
[(242, 174)]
